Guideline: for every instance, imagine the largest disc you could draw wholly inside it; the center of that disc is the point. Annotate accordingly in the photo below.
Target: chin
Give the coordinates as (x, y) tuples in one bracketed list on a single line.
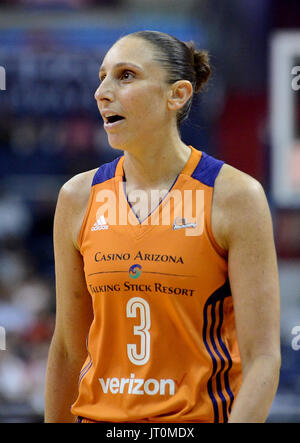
[(118, 144)]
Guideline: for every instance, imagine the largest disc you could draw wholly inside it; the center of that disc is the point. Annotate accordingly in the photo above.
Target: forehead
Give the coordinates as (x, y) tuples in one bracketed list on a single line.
[(131, 50)]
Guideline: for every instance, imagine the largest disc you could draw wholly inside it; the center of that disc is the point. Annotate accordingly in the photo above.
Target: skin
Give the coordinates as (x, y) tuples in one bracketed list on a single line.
[(241, 224)]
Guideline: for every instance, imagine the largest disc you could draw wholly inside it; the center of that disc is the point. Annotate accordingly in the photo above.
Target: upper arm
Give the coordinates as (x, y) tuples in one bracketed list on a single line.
[(73, 302), (247, 234)]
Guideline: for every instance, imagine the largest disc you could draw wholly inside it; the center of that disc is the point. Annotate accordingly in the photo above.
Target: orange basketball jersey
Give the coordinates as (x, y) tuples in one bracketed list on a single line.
[(162, 346)]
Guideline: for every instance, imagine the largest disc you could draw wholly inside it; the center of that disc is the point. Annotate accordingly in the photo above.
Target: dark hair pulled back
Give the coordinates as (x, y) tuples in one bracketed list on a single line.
[(181, 60)]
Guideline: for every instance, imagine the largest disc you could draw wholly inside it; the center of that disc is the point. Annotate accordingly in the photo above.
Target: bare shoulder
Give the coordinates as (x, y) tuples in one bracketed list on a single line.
[(73, 201), (238, 200), (78, 187), (232, 184)]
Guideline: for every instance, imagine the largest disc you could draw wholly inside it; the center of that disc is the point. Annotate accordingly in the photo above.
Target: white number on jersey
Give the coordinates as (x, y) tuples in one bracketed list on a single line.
[(142, 330)]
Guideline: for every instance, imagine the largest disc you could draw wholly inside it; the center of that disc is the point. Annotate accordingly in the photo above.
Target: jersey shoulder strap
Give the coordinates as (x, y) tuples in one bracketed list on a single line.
[(106, 171), (207, 169)]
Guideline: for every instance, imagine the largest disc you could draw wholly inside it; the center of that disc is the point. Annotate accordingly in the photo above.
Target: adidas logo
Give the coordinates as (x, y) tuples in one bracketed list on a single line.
[(100, 224)]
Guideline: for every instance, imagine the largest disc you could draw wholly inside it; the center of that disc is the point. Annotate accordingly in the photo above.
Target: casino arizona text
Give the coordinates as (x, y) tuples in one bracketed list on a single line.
[(163, 258)]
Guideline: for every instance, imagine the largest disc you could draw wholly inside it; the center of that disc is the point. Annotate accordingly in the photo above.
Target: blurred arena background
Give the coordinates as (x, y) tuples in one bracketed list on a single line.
[(50, 130)]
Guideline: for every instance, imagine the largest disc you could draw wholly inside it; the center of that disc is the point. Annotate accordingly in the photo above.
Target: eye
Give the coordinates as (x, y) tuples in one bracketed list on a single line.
[(127, 75)]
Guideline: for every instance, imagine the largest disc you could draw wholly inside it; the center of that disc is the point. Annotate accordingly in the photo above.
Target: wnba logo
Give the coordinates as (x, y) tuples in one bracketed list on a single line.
[(135, 271), (2, 79)]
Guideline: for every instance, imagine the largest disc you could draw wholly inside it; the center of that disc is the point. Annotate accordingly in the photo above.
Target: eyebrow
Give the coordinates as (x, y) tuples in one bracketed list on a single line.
[(119, 65)]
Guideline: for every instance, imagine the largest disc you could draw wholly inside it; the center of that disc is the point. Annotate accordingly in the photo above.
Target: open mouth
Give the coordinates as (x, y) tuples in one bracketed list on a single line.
[(114, 119)]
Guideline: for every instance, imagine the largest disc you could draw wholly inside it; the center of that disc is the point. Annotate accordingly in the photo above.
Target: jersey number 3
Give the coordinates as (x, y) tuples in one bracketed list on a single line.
[(142, 330)]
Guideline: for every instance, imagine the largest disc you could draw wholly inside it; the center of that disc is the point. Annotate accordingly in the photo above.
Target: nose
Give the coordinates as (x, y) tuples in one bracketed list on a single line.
[(104, 92)]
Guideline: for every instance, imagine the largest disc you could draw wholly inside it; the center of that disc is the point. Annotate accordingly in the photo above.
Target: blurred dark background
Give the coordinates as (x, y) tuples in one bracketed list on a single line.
[(50, 130)]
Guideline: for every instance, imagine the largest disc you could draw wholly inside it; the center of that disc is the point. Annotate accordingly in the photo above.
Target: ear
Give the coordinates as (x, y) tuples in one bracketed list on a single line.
[(179, 94)]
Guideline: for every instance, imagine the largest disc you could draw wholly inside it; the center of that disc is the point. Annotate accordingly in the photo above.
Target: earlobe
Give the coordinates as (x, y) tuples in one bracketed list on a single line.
[(180, 93)]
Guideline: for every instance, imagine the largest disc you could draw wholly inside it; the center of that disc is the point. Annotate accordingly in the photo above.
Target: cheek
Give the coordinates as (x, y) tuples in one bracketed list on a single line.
[(133, 102), (145, 102)]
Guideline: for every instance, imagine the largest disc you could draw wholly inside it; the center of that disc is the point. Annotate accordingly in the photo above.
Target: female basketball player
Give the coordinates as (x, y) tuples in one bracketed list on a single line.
[(161, 319)]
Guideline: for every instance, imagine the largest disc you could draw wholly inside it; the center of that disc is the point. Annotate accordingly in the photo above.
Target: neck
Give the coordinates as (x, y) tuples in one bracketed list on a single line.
[(155, 166)]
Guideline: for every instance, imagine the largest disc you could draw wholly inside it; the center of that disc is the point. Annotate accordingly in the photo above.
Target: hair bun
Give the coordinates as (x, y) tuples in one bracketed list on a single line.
[(200, 61)]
